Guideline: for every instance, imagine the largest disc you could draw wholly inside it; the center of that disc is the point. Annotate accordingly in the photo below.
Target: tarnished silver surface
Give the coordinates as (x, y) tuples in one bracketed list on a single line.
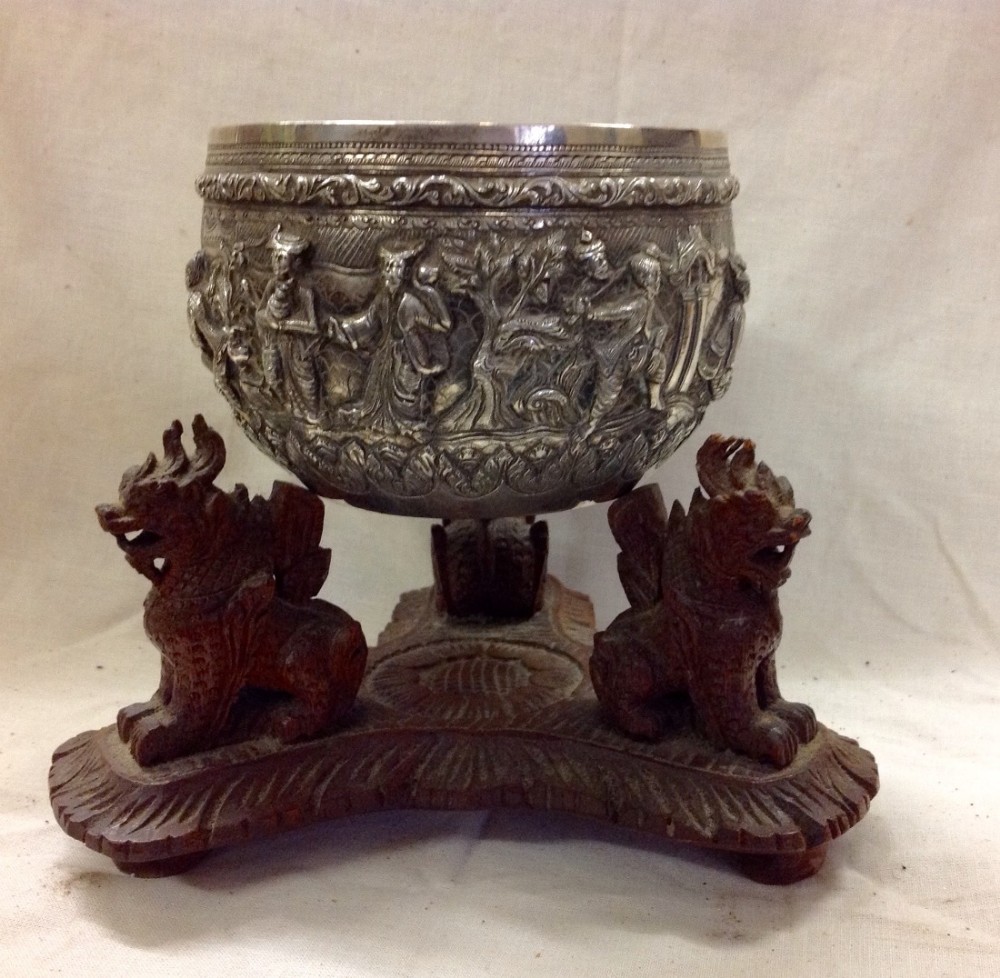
[(467, 321)]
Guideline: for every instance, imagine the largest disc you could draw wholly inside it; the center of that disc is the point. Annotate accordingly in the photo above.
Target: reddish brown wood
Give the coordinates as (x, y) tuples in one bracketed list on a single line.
[(157, 868), (460, 709), (782, 869), (460, 716), (245, 646), (490, 568), (704, 624)]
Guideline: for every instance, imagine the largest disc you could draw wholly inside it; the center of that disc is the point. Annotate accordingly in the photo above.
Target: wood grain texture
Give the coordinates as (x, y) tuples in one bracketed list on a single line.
[(505, 719), (245, 645), (704, 622)]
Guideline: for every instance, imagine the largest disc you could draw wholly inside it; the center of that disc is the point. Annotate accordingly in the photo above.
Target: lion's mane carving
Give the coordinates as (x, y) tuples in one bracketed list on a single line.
[(704, 622), (246, 647)]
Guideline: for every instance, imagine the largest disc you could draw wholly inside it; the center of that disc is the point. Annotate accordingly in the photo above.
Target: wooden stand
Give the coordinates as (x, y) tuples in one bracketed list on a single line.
[(469, 701), (465, 716)]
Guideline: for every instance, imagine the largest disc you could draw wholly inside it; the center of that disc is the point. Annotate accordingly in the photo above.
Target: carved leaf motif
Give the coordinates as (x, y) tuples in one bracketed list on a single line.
[(488, 476), (635, 457), (586, 464), (301, 564), (558, 469), (522, 475), (421, 473), (468, 469), (352, 470), (383, 472), (452, 474), (685, 793), (638, 523)]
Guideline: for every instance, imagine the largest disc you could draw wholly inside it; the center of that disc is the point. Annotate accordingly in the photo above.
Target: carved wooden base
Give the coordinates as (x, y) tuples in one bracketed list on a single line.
[(460, 714)]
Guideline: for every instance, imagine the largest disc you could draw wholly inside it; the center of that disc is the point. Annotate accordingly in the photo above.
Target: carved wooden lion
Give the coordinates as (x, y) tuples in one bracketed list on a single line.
[(246, 647), (704, 622)]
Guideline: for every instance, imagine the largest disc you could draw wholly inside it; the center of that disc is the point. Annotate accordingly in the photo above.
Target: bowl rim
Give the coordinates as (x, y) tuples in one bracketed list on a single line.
[(476, 134)]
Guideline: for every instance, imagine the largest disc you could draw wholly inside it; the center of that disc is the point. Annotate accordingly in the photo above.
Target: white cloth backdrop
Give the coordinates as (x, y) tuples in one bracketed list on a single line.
[(867, 141)]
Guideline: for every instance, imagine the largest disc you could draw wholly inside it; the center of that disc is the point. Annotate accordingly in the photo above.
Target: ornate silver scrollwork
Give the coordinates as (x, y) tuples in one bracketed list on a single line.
[(363, 189)]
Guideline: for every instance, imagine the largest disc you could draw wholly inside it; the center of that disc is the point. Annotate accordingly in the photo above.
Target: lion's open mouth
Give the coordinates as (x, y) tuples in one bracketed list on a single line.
[(777, 556), (781, 544), (127, 529), (138, 540)]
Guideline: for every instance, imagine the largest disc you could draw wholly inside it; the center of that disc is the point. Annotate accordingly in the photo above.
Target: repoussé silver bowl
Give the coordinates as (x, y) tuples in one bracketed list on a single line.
[(467, 321)]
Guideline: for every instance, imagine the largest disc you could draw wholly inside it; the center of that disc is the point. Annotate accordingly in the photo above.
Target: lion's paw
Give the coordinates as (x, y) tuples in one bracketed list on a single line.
[(641, 722), (154, 737), (798, 716), (293, 722), (129, 716), (770, 738)]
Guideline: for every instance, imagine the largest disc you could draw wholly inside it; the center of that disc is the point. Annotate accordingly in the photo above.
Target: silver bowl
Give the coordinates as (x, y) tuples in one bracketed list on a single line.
[(467, 321)]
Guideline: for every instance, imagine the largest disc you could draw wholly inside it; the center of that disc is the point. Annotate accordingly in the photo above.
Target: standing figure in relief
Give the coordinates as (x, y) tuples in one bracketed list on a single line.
[(625, 334), (409, 321), (288, 329), (424, 321)]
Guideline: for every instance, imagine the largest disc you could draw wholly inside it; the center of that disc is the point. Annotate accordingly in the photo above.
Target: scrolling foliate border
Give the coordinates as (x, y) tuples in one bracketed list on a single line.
[(442, 190)]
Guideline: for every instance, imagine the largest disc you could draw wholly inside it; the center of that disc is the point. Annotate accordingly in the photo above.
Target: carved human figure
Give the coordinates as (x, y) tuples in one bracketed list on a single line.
[(408, 320), (221, 307), (591, 254), (624, 333), (288, 328), (424, 321), (595, 277), (240, 303), (715, 364), (207, 328)]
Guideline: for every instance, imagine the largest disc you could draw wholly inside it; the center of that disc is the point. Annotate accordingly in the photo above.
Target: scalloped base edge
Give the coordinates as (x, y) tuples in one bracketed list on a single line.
[(554, 752)]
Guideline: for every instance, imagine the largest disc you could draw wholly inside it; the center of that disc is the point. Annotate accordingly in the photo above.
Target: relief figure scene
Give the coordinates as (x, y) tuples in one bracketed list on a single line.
[(521, 332)]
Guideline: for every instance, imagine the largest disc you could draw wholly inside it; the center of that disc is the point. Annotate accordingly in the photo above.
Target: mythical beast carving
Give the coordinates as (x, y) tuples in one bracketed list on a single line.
[(246, 647), (704, 619)]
